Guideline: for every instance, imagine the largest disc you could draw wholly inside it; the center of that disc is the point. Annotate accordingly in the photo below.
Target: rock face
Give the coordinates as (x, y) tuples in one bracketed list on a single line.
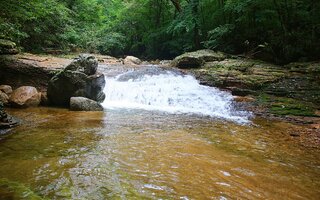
[(131, 60), (25, 96), (8, 47), (84, 104), (79, 79), (241, 76), (197, 58)]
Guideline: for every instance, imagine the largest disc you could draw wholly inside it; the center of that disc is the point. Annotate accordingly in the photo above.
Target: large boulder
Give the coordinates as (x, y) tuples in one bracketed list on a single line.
[(79, 79), (25, 96), (8, 47), (84, 104), (131, 60), (197, 58)]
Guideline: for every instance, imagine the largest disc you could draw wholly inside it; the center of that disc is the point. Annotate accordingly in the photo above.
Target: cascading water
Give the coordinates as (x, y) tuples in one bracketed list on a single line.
[(170, 92)]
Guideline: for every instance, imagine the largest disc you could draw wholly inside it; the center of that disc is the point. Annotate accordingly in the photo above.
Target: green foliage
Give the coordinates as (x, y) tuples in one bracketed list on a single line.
[(286, 30), (286, 106)]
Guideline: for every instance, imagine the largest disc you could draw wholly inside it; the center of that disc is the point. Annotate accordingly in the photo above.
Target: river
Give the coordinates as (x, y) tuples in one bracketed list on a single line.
[(161, 136)]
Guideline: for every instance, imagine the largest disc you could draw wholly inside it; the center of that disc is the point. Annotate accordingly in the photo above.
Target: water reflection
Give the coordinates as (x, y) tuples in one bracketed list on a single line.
[(125, 154)]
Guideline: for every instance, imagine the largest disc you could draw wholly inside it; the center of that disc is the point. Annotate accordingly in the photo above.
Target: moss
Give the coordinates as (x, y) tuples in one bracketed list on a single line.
[(15, 190), (286, 106)]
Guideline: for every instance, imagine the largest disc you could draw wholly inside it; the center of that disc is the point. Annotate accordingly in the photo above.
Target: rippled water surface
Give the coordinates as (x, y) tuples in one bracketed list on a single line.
[(133, 154)]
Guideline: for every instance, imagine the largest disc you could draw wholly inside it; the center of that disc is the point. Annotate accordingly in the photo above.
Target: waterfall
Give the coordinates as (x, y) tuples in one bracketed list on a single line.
[(170, 92)]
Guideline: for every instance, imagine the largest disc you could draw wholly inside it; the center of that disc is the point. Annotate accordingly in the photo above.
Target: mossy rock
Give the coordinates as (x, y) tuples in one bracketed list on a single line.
[(241, 73), (286, 106), (197, 58)]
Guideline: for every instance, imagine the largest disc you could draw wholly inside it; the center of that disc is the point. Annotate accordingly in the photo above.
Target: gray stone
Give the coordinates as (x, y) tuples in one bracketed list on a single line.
[(84, 104), (131, 60), (77, 79)]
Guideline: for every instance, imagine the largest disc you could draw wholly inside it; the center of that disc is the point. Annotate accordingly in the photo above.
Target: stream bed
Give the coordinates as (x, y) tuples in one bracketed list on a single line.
[(126, 154), (177, 141)]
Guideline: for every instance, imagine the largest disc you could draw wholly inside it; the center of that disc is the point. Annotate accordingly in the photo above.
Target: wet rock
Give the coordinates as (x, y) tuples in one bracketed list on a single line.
[(241, 76), (84, 104), (6, 121), (77, 80), (131, 60), (244, 99), (197, 58), (25, 96), (7, 89), (8, 47), (4, 98)]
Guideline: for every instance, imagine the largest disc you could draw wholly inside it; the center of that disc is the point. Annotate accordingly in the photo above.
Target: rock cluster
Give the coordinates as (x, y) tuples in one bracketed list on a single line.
[(79, 79)]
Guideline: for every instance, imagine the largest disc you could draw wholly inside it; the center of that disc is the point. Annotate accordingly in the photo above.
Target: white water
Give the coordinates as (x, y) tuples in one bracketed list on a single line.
[(171, 93)]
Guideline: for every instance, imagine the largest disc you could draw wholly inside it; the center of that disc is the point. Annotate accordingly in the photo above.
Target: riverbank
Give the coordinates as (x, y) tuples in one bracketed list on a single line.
[(289, 93)]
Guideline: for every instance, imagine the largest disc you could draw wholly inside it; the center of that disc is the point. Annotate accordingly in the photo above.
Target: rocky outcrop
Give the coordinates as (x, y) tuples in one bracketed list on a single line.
[(131, 60), (79, 79), (197, 58), (241, 76), (27, 69), (25, 96), (84, 104), (8, 47)]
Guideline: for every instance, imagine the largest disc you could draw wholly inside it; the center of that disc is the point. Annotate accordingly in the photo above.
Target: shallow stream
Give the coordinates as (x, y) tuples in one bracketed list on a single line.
[(147, 150)]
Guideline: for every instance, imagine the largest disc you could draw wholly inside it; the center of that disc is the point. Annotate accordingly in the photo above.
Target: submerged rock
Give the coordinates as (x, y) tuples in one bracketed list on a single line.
[(197, 58), (131, 60), (80, 78), (25, 96), (84, 104)]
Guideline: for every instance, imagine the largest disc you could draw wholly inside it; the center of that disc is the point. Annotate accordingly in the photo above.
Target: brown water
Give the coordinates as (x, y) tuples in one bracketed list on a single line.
[(123, 154)]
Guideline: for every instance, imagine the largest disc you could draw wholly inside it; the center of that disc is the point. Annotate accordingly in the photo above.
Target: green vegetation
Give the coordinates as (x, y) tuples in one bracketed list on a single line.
[(276, 30), (286, 106)]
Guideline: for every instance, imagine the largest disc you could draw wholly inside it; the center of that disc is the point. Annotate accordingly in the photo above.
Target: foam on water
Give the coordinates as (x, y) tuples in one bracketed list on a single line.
[(171, 93)]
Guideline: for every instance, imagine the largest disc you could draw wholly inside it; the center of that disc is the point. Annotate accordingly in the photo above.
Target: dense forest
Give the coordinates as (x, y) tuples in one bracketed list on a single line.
[(277, 30)]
